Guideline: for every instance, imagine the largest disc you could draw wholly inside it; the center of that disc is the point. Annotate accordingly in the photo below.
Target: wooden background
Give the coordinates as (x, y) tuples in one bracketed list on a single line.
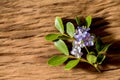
[(24, 51)]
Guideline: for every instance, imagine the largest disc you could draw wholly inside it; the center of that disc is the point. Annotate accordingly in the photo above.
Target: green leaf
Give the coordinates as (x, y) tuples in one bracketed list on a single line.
[(88, 20), (57, 60), (92, 53), (100, 58), (105, 48), (51, 37), (71, 64), (70, 29), (77, 20), (98, 44), (91, 58), (59, 24), (61, 46)]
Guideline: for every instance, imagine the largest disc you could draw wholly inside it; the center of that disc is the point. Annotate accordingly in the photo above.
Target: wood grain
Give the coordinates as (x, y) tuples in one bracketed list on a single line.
[(24, 51)]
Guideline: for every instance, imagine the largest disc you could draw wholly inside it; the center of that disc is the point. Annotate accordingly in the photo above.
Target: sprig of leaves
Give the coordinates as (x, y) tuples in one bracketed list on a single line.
[(94, 58)]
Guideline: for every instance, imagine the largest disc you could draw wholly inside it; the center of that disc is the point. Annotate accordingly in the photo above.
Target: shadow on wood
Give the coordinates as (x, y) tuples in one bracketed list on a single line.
[(98, 27)]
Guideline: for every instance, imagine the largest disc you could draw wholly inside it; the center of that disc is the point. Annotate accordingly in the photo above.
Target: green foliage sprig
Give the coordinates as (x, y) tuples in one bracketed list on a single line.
[(81, 39)]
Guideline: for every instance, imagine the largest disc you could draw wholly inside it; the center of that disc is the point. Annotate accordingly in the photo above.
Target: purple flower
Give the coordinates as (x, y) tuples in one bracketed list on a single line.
[(80, 33), (83, 29), (76, 51), (83, 37), (88, 40)]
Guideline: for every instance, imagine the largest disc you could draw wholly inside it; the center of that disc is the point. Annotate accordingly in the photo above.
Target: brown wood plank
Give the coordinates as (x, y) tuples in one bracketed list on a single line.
[(24, 51)]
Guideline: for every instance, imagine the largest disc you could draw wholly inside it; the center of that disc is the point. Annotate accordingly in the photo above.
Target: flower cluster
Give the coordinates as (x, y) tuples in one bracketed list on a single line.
[(82, 39)]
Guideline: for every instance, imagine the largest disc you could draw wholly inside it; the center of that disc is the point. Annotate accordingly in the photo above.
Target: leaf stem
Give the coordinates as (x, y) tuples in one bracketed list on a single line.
[(81, 59), (72, 57), (84, 60), (87, 50), (96, 67), (66, 35)]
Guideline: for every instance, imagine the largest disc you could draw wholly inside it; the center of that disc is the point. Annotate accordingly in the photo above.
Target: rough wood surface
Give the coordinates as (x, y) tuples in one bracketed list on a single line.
[(24, 51)]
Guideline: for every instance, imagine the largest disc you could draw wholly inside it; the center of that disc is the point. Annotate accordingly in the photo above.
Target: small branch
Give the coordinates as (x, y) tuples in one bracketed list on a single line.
[(87, 50), (72, 57), (96, 67)]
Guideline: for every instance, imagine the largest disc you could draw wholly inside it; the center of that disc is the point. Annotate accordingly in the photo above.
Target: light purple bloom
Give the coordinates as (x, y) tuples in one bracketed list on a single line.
[(88, 40), (82, 29), (82, 39), (76, 51), (80, 33)]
